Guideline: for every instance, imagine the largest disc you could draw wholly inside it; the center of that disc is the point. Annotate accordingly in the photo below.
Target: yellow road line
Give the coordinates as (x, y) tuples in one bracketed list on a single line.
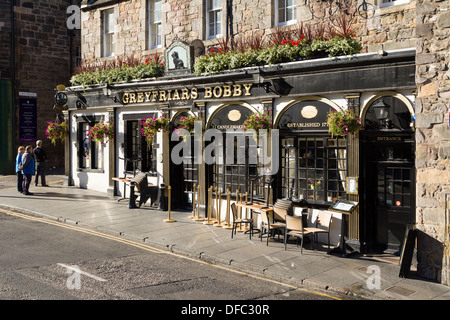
[(155, 250)]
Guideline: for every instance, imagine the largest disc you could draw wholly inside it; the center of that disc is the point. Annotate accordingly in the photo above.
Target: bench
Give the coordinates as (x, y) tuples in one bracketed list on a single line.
[(140, 188)]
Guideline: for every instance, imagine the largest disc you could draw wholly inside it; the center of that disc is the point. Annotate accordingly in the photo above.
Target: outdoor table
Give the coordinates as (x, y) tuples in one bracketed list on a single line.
[(253, 207), (126, 182)]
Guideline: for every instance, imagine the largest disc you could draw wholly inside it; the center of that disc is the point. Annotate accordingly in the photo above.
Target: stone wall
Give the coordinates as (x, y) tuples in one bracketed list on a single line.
[(45, 57), (391, 27), (433, 138)]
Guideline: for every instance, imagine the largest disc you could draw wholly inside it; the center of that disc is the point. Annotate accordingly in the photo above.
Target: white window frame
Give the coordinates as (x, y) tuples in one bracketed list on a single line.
[(214, 10), (108, 32), (286, 8), (390, 3), (154, 17)]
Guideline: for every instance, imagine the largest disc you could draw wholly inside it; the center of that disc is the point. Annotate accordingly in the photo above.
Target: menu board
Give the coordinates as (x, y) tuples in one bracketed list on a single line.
[(27, 119), (345, 207)]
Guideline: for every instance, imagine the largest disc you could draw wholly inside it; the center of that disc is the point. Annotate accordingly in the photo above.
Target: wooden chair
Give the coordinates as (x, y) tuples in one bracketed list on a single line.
[(239, 221), (269, 228), (294, 227), (281, 208), (322, 225)]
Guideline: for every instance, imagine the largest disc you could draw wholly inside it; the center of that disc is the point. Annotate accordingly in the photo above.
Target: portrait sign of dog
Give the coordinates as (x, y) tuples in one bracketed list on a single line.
[(178, 58)]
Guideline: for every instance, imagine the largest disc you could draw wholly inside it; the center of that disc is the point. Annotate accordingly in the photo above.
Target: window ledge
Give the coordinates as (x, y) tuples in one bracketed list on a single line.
[(90, 170)]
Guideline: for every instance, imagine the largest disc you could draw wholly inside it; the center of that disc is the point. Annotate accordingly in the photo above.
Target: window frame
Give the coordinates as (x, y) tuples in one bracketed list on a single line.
[(93, 160), (154, 34), (297, 184), (136, 147), (107, 45), (217, 13), (285, 8), (391, 3)]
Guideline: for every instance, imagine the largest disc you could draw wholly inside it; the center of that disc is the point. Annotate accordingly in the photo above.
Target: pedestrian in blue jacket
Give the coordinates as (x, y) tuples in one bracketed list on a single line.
[(20, 152), (27, 167)]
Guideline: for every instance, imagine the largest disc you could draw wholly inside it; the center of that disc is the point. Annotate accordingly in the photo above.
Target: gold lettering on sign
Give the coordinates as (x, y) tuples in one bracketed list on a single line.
[(389, 139), (225, 91)]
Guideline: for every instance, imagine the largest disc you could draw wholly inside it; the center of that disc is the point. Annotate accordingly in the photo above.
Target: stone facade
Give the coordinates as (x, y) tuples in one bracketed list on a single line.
[(45, 55), (433, 138), (420, 24), (390, 28)]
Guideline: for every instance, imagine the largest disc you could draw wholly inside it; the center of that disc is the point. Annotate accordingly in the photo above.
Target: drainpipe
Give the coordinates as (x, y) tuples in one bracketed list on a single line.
[(13, 74)]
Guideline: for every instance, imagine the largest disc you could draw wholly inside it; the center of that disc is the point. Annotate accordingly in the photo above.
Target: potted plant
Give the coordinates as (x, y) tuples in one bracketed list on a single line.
[(56, 131), (151, 125), (101, 131), (342, 123)]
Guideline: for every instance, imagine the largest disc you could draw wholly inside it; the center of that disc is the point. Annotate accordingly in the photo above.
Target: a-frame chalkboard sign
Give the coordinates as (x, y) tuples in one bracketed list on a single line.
[(407, 250)]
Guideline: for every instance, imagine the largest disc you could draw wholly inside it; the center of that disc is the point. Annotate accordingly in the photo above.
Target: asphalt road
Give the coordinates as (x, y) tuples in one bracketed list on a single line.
[(48, 260)]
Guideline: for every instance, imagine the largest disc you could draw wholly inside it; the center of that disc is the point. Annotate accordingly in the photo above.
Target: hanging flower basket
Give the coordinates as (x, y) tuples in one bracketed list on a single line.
[(56, 131), (342, 123), (186, 123), (258, 121), (102, 132), (150, 126)]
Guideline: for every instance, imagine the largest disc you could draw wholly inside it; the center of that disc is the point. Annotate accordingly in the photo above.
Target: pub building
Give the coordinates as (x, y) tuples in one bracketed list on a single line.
[(314, 166)]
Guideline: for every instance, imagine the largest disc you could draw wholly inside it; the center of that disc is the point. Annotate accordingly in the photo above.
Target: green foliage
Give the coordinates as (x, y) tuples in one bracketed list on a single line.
[(101, 131), (287, 51), (56, 131), (341, 123), (124, 73)]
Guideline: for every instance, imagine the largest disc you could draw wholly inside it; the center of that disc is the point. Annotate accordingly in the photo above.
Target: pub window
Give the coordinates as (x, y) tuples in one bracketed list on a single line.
[(213, 18), (238, 173), (108, 32), (141, 155), (285, 12), (154, 19), (313, 168), (90, 152)]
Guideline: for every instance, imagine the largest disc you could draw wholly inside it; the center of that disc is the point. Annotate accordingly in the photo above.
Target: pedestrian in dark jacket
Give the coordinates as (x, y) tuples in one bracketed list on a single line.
[(39, 157), (27, 169), (20, 152)]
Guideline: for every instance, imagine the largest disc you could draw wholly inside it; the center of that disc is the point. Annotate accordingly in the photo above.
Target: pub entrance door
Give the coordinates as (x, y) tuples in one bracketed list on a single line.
[(389, 189), (387, 164)]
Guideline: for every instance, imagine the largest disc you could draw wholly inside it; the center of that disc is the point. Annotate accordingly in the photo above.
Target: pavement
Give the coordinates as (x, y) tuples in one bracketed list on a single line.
[(374, 277)]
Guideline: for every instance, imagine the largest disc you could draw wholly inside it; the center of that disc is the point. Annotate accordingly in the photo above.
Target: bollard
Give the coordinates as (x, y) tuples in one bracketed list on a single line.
[(228, 224), (241, 228), (218, 203), (169, 205), (209, 209), (193, 202), (198, 205)]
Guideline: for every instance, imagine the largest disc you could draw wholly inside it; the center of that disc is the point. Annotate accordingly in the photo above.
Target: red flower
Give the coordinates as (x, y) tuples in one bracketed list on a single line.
[(212, 50), (146, 61)]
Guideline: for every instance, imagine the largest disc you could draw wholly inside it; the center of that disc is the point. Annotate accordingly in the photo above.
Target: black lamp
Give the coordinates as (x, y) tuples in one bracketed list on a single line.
[(381, 110)]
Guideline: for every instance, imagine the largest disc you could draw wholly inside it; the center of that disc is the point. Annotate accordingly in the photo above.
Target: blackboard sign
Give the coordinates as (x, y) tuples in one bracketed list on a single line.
[(27, 119), (407, 250)]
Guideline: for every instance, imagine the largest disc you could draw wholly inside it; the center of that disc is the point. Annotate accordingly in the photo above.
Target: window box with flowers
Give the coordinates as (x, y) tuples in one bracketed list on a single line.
[(151, 126), (342, 123), (102, 132), (56, 131)]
